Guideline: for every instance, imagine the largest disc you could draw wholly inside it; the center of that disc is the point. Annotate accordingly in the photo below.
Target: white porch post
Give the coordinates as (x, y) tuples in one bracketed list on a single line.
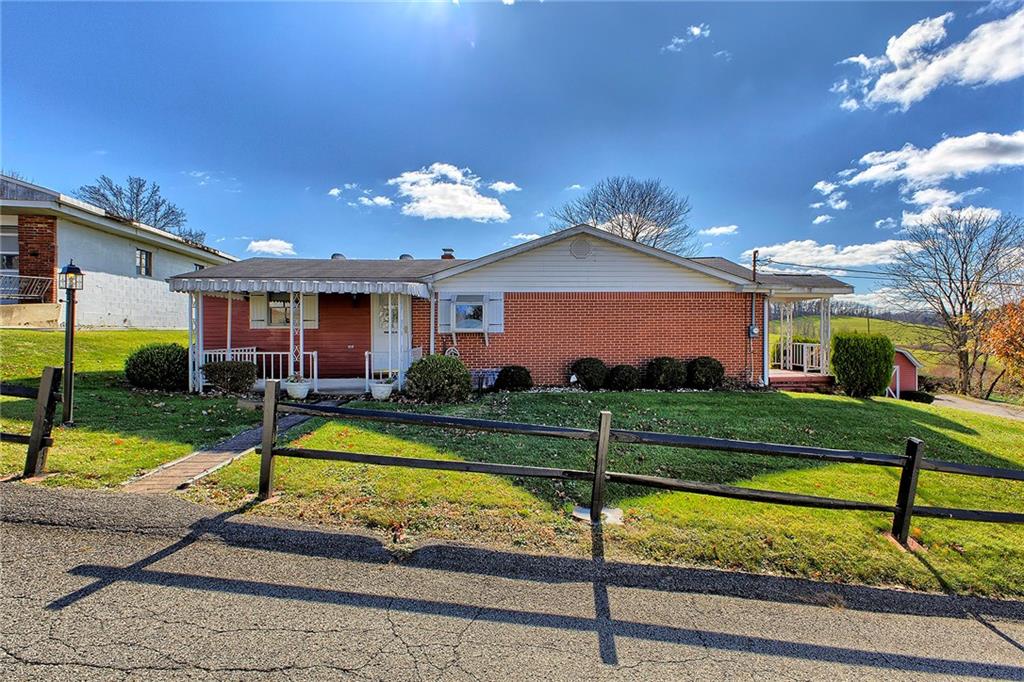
[(401, 344), (302, 336), (227, 351), (786, 339), (825, 331), (390, 335), (766, 350), (199, 344), (432, 321), (191, 342)]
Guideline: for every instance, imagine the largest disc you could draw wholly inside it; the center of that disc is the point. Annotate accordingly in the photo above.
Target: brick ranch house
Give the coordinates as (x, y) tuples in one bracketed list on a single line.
[(542, 304), (126, 263)]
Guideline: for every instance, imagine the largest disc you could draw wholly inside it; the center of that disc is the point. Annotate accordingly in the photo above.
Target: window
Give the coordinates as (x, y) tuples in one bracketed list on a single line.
[(198, 266), (279, 310), (143, 262), (469, 313), (9, 261)]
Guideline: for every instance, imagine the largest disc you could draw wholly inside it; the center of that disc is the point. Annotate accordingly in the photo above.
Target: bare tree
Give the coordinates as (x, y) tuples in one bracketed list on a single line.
[(644, 211), (961, 265), (138, 200)]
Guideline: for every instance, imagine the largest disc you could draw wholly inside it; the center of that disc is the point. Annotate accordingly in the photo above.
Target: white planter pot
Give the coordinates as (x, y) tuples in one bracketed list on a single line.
[(381, 391), (297, 390)]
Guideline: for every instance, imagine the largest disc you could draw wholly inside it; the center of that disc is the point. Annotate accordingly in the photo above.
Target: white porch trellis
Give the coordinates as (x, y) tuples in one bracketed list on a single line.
[(809, 357)]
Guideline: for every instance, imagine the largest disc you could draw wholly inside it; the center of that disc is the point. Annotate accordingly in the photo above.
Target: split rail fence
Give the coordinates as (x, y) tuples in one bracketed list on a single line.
[(911, 463), (40, 439)]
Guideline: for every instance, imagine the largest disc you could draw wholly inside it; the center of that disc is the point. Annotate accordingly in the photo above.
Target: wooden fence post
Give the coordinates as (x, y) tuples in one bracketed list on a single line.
[(907, 491), (270, 391), (604, 425), (42, 422)]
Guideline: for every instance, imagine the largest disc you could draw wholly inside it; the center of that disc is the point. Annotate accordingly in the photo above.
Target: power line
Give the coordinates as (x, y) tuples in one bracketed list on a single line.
[(874, 274)]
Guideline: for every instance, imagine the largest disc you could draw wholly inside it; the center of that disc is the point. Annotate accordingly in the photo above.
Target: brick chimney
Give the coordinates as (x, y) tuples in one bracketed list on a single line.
[(447, 254)]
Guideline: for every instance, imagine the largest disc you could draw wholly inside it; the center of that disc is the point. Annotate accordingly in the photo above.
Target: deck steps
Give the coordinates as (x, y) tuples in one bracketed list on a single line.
[(799, 382)]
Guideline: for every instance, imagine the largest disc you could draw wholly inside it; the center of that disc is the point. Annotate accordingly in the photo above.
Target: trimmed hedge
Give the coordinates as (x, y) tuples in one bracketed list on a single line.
[(231, 376), (862, 363), (917, 397), (623, 378), (160, 366), (591, 373), (438, 379), (665, 374), (704, 373), (513, 378)]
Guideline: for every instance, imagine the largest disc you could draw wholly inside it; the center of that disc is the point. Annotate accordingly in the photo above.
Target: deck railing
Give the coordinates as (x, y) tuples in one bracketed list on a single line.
[(269, 364), (801, 356), (382, 364), (25, 287)]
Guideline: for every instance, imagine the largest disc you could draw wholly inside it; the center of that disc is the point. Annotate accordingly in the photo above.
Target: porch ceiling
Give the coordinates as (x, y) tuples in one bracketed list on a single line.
[(215, 285)]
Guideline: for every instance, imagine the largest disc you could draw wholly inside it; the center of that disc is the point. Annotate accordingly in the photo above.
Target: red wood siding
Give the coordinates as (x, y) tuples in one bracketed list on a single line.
[(341, 340), (546, 332), (908, 373)]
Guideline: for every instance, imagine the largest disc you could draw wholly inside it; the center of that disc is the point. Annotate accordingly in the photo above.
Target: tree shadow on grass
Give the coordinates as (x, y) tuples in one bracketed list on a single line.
[(561, 570)]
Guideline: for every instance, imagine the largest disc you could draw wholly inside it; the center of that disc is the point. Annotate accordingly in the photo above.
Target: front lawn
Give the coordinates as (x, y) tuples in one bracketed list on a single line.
[(666, 527), (119, 432)]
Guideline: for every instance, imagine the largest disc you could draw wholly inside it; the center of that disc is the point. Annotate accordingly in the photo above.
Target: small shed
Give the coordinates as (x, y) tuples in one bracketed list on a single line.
[(904, 372)]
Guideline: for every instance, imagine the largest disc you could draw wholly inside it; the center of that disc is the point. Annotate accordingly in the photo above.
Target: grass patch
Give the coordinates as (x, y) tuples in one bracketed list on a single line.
[(120, 432), (676, 527)]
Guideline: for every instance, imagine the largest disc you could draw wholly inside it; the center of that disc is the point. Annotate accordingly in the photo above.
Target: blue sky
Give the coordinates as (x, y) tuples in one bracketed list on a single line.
[(463, 125)]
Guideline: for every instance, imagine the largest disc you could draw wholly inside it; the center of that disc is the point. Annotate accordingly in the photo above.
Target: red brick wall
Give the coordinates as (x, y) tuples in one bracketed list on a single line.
[(37, 249), (341, 340), (546, 332)]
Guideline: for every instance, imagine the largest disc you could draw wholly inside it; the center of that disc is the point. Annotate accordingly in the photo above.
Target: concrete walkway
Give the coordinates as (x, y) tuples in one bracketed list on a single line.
[(183, 472), (109, 586), (980, 406)]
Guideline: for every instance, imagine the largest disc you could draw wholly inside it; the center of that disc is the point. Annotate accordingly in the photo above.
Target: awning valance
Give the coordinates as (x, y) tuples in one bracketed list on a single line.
[(304, 286)]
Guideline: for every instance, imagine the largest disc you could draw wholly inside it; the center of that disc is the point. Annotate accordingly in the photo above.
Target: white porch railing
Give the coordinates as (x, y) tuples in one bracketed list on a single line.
[(805, 356), (269, 364), (382, 364)]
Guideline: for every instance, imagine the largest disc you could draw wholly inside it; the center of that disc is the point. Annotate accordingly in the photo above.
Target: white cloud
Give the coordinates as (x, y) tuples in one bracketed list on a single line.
[(824, 218), (825, 187), (501, 186), (885, 224), (719, 230), (952, 157), (837, 202), (525, 236), (538, 214), (811, 253), (724, 54), (334, 192), (508, 2), (574, 186), (932, 212), (694, 32), (849, 104), (375, 201), (443, 190), (271, 247), (816, 204), (202, 177), (914, 66)]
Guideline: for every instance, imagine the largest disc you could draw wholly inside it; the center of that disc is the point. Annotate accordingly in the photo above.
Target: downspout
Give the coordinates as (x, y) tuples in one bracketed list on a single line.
[(764, 336), (753, 316), (433, 321)]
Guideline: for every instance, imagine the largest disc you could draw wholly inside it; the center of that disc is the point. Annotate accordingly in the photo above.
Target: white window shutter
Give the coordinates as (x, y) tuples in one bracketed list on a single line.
[(495, 312), (257, 311), (444, 313), (310, 311)]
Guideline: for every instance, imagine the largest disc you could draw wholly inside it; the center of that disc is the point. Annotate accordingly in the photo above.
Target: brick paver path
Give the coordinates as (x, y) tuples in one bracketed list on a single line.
[(184, 471)]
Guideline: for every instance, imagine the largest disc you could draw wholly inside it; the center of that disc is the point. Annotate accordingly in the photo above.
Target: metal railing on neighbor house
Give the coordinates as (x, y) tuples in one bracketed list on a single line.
[(803, 356), (25, 287), (911, 463), (382, 364), (269, 364)]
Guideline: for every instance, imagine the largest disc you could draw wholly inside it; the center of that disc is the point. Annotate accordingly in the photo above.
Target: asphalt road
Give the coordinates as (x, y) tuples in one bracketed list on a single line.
[(111, 586)]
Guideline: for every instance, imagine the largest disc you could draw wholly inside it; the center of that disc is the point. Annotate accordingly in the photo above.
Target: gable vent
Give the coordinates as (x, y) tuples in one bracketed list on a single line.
[(580, 248)]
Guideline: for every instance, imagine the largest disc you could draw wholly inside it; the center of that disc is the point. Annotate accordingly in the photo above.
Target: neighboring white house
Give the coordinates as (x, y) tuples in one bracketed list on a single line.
[(126, 264)]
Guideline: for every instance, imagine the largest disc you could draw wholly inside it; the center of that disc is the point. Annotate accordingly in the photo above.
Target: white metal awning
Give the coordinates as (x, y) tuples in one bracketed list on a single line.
[(305, 286)]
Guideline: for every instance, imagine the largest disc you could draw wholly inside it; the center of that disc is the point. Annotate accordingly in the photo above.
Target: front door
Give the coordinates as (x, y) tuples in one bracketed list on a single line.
[(387, 337)]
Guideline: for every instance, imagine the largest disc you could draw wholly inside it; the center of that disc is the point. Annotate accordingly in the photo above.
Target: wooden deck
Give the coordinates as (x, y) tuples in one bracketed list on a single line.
[(801, 382)]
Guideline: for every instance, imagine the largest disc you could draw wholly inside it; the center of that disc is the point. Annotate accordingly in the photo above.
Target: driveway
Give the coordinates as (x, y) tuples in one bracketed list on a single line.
[(111, 586), (980, 406)]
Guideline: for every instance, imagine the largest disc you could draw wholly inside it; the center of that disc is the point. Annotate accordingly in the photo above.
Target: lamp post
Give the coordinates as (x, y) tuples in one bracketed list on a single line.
[(70, 279)]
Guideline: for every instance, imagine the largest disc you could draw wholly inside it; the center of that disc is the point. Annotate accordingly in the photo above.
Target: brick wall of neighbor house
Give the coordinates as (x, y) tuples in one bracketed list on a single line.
[(546, 332), (37, 249), (342, 339)]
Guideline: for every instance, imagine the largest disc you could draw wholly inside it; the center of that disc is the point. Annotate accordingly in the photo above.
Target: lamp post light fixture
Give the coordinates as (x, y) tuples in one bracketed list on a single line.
[(70, 279)]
